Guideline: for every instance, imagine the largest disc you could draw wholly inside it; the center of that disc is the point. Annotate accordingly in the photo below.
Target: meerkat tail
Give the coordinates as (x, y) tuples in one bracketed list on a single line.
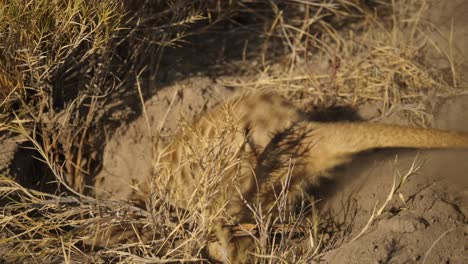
[(348, 137)]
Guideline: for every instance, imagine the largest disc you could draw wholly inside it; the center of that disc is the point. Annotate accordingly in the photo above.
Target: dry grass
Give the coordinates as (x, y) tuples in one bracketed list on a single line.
[(61, 61), (372, 60), (415, 167), (218, 163)]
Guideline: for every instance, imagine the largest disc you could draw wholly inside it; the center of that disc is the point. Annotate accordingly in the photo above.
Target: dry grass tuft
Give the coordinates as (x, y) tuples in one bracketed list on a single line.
[(63, 60), (374, 59)]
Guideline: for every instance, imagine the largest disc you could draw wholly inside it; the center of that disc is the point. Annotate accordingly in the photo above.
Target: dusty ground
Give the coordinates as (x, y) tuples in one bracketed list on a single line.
[(425, 222)]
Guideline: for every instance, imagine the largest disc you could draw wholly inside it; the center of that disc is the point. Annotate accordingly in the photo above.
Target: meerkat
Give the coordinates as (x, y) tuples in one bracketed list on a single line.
[(267, 136)]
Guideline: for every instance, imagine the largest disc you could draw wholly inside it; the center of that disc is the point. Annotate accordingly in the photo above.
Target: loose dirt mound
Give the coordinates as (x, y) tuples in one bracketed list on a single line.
[(128, 156)]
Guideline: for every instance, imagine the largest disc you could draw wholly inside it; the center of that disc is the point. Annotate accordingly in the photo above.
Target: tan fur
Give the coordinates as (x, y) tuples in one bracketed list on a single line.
[(267, 135)]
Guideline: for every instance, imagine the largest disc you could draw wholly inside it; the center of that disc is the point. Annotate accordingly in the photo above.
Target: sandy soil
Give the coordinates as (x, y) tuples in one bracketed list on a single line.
[(427, 219)]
